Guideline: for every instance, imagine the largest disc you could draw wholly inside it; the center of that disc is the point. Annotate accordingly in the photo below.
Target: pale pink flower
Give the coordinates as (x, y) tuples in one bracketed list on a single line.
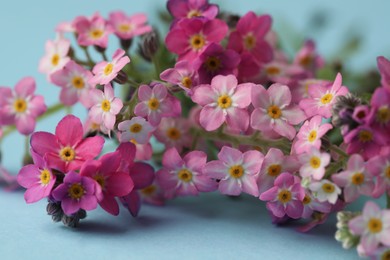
[(106, 71), (273, 110), (127, 27), (183, 75), (373, 226), (308, 58), (192, 8), (310, 134), (74, 82), (137, 129), (379, 166), (325, 190), (92, 31), (236, 171), (174, 132), (56, 56), (313, 164), (355, 179), (106, 106), (223, 101), (311, 204)]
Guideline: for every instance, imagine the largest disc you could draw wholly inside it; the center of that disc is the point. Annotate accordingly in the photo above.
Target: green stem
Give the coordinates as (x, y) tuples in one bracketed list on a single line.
[(85, 49), (334, 168), (388, 201), (104, 56), (337, 150), (157, 68)]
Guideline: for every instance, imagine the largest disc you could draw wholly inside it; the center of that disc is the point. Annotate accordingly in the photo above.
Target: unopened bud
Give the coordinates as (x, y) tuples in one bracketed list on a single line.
[(121, 78), (149, 46), (126, 44)]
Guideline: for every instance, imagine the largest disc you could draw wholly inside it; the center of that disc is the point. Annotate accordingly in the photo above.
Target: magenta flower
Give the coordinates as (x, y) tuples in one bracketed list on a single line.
[(190, 37), (184, 176), (236, 171), (74, 82), (105, 71), (92, 31), (308, 58), (215, 60), (379, 166), (192, 8), (310, 134), (174, 132), (322, 98), (273, 110), (380, 103), (373, 226), (313, 164), (137, 129), (223, 101), (355, 179), (77, 192), (56, 56), (286, 197), (155, 103), (21, 106), (127, 27), (37, 178), (384, 69), (105, 106), (183, 75), (113, 182), (66, 150)]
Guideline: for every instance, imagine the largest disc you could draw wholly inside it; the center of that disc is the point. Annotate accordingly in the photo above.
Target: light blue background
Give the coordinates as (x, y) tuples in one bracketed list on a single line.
[(211, 227)]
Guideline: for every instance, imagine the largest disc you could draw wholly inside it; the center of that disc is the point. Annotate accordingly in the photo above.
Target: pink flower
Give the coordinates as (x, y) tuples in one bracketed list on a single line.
[(144, 152), (313, 164), (379, 166), (128, 27), (106, 106), (236, 171), (310, 135), (105, 71), (66, 150), (311, 204), (153, 194), (21, 106), (215, 60), (192, 8), (380, 104), (273, 110), (184, 176), (56, 56), (300, 90), (325, 190), (37, 178), (77, 192), (92, 31), (113, 182), (275, 163), (155, 103), (223, 101), (308, 58), (183, 75), (174, 132), (355, 179), (137, 129), (322, 98), (8, 179), (74, 82), (190, 37), (373, 226), (384, 69), (286, 197)]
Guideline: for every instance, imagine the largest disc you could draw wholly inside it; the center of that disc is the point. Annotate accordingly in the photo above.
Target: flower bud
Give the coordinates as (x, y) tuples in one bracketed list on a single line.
[(149, 46), (121, 78)]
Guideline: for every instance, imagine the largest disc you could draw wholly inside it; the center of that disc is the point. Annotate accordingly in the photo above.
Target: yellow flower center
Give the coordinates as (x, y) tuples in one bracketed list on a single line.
[(312, 136), (194, 13), (365, 136), (55, 59), (153, 104), (284, 196), (135, 128), (173, 133), (186, 82), (374, 225), (328, 187), (224, 101), (149, 190), (306, 61), (96, 34), (212, 64), (20, 105), (133, 141), (272, 71), (100, 179), (326, 99), (45, 177), (386, 255), (306, 199), (124, 28), (236, 171), (184, 175), (315, 162), (76, 191), (358, 178), (78, 82), (106, 105), (249, 41), (383, 115), (108, 69), (274, 170), (197, 42), (274, 112), (387, 172), (67, 154)]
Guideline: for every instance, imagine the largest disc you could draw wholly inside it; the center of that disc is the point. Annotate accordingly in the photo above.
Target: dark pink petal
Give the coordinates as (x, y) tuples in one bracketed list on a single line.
[(110, 162), (166, 180), (276, 208), (70, 206), (119, 184), (90, 147), (110, 205), (34, 193), (294, 209), (270, 194), (133, 202), (88, 202), (142, 175), (69, 131), (90, 168), (127, 152), (43, 142), (28, 176), (284, 180)]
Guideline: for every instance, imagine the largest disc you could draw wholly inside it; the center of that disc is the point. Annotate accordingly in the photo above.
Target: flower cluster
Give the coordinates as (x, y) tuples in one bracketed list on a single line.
[(234, 113)]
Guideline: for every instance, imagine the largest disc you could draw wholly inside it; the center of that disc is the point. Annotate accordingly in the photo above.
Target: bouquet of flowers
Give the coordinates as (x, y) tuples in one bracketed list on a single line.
[(234, 112)]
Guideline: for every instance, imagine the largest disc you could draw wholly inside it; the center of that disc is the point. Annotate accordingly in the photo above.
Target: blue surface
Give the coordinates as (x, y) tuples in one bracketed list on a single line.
[(209, 227)]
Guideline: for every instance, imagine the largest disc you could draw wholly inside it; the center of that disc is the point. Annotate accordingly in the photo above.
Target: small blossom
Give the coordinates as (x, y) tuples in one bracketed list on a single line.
[(236, 171), (137, 129), (308, 58), (384, 69), (311, 205), (313, 164), (193, 8), (174, 132), (127, 27), (92, 31), (380, 103), (325, 190), (379, 166), (183, 75), (56, 56)]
